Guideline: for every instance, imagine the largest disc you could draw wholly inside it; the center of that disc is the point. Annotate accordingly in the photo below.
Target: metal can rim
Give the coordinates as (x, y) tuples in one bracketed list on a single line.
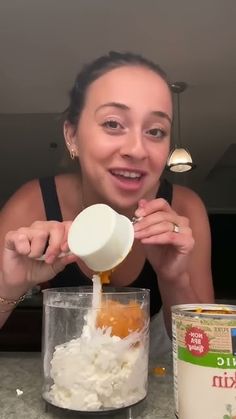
[(190, 310)]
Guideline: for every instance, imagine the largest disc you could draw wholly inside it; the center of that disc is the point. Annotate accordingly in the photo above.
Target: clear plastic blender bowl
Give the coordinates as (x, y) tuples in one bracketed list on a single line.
[(95, 359)]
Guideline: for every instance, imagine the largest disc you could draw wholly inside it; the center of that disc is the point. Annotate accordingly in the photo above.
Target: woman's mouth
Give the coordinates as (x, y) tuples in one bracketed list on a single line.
[(128, 179), (127, 174)]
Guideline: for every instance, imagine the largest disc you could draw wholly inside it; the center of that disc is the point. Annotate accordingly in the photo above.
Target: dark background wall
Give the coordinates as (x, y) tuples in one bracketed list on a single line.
[(223, 231)]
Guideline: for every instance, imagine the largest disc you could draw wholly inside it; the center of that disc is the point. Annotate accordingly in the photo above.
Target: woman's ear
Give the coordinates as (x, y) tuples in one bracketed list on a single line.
[(70, 139)]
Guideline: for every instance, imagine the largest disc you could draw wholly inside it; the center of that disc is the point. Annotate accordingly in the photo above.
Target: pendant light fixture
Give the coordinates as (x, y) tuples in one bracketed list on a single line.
[(179, 159)]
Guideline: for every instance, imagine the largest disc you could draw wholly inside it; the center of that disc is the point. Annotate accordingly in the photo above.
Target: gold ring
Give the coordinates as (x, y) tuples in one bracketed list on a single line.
[(175, 228)]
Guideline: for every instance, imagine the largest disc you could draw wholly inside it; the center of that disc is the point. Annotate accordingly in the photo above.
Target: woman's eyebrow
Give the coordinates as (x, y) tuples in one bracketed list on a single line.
[(124, 107), (114, 105), (162, 115)]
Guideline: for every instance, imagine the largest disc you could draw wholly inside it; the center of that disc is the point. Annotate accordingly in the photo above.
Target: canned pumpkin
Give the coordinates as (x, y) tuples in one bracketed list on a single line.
[(204, 357)]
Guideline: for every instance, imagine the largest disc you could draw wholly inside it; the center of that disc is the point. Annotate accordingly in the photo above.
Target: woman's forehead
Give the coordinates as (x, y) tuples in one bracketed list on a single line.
[(130, 85)]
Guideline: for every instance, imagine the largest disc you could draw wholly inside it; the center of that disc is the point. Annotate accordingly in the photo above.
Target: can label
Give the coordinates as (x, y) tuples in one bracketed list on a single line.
[(204, 352)]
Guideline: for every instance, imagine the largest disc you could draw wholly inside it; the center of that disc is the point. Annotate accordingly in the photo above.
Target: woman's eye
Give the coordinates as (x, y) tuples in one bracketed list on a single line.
[(156, 132), (112, 124)]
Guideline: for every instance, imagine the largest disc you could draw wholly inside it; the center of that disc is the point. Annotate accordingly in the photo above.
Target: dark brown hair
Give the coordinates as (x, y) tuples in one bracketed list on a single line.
[(96, 69)]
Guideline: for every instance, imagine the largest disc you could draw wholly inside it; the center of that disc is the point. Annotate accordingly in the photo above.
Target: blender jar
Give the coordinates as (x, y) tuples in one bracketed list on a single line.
[(95, 357)]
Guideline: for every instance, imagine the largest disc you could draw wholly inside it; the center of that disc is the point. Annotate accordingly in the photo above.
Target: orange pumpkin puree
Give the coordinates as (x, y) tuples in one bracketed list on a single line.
[(122, 318)]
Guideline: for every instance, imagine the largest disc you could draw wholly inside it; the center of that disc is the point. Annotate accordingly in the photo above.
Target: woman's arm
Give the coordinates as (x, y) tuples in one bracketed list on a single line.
[(22, 240), (17, 211)]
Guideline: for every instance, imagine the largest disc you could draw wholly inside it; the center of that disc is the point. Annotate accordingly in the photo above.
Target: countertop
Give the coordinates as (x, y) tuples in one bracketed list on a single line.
[(23, 371)]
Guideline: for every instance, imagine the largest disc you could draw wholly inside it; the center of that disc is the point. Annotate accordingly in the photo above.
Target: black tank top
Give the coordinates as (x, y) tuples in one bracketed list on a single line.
[(72, 276)]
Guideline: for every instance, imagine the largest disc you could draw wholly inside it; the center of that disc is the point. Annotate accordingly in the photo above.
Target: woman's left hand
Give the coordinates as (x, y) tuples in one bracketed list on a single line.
[(167, 237)]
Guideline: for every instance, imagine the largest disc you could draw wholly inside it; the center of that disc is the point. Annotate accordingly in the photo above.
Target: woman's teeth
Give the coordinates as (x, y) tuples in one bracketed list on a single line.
[(126, 174)]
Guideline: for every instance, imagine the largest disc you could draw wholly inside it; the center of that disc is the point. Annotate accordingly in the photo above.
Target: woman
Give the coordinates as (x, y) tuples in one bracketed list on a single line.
[(118, 126)]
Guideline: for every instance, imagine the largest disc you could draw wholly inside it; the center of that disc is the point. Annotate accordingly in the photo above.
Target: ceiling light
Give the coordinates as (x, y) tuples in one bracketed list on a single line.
[(179, 159)]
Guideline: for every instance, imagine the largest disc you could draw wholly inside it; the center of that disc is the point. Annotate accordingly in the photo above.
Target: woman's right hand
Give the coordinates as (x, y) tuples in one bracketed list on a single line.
[(22, 247)]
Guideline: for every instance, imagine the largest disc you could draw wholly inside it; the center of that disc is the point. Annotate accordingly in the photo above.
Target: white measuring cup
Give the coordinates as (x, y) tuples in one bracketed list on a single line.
[(101, 237)]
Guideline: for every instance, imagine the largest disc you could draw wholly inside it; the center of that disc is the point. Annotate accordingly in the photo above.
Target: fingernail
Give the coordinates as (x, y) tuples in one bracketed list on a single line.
[(50, 259), (136, 219), (139, 213)]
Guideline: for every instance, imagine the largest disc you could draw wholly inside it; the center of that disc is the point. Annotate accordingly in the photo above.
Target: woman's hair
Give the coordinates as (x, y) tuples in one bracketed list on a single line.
[(96, 69)]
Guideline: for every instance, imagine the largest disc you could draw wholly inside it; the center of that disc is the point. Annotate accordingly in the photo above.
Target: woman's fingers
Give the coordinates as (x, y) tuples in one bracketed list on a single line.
[(161, 225), (149, 207), (41, 237), (18, 241), (59, 263), (37, 240), (184, 242), (156, 217), (57, 242), (159, 222), (24, 247)]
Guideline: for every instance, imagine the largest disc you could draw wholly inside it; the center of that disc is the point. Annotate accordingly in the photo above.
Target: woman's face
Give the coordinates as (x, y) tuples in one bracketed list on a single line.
[(123, 136)]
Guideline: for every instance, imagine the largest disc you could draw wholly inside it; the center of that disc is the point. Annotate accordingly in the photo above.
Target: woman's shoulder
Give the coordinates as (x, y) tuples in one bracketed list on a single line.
[(23, 208), (24, 196), (186, 201), (26, 205)]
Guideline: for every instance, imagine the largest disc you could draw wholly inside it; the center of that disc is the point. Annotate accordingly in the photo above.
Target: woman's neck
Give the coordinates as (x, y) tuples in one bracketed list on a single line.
[(90, 197)]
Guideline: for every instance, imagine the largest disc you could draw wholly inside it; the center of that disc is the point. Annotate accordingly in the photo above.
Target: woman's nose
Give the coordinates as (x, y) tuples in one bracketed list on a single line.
[(134, 146)]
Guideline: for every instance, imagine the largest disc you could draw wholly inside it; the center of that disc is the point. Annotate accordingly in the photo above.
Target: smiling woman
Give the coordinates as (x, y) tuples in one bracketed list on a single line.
[(118, 127), (118, 117)]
